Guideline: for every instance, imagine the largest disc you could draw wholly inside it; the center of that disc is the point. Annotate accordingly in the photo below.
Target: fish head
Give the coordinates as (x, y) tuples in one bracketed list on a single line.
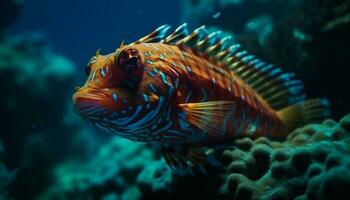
[(118, 96)]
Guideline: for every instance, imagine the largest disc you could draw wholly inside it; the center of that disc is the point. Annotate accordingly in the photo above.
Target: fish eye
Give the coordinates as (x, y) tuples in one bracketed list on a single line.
[(128, 61)]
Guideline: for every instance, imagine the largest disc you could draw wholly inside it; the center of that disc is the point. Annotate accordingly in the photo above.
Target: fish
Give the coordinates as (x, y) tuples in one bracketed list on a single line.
[(188, 91)]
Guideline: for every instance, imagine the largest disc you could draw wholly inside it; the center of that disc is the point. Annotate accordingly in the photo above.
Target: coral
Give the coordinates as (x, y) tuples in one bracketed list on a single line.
[(27, 59), (312, 163), (39, 128), (121, 170)]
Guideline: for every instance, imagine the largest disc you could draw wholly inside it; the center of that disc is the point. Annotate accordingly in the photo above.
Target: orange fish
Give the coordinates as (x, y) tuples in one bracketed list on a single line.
[(188, 91)]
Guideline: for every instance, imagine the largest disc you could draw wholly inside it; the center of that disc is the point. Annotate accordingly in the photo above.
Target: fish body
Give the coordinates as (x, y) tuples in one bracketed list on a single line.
[(193, 79), (187, 91)]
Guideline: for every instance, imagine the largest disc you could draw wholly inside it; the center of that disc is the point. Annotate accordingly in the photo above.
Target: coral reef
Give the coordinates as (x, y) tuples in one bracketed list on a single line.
[(305, 37), (39, 128), (121, 170), (312, 163)]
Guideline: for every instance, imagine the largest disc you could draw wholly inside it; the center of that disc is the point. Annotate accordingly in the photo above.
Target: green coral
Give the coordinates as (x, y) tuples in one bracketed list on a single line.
[(115, 173), (38, 83), (312, 163), (28, 60)]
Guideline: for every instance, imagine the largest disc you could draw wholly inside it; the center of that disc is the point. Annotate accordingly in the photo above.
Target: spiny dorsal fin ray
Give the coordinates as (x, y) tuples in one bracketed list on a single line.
[(156, 36), (277, 88), (179, 33), (218, 46), (228, 52), (98, 52), (192, 39), (209, 39)]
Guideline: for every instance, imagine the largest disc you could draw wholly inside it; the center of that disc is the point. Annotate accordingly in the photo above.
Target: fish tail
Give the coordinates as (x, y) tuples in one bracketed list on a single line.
[(310, 111)]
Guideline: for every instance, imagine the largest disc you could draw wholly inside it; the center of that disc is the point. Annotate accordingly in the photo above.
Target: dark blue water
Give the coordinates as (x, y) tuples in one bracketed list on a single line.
[(77, 28)]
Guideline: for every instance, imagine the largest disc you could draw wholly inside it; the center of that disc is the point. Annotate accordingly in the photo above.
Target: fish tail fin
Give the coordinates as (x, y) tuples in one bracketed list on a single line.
[(313, 110)]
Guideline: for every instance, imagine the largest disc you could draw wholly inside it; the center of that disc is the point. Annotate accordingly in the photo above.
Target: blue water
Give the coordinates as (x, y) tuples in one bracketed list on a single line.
[(77, 28)]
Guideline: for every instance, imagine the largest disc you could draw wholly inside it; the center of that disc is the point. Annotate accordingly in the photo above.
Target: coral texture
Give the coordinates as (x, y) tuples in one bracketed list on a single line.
[(35, 126), (121, 170), (312, 163)]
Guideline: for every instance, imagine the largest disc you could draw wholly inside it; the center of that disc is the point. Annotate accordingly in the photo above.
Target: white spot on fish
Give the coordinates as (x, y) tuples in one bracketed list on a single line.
[(115, 97), (147, 54), (102, 72), (150, 62)]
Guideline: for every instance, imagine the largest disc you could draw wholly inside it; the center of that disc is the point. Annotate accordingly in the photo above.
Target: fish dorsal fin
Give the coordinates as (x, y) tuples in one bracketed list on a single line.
[(157, 35), (179, 33), (275, 87)]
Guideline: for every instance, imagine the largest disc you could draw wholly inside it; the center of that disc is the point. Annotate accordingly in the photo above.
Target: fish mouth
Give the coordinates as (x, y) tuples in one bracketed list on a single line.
[(88, 102)]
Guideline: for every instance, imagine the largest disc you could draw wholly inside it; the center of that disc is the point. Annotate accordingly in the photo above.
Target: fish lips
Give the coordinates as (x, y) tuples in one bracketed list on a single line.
[(87, 102)]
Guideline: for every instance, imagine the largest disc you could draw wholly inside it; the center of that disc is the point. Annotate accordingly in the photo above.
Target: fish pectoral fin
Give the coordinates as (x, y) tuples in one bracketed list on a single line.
[(209, 116), (187, 160)]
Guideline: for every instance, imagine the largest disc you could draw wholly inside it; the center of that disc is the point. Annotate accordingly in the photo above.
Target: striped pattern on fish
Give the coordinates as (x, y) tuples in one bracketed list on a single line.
[(186, 91)]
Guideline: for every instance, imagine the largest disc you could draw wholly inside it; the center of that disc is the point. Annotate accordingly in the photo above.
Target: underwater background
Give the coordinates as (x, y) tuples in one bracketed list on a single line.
[(47, 152)]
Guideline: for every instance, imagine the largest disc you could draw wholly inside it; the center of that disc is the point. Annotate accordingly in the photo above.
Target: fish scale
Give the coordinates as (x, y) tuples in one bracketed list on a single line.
[(201, 77)]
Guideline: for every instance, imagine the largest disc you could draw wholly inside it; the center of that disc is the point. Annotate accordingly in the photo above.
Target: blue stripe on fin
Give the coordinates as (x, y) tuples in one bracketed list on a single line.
[(240, 54), (264, 78), (155, 36), (194, 37), (275, 71), (179, 33), (247, 58)]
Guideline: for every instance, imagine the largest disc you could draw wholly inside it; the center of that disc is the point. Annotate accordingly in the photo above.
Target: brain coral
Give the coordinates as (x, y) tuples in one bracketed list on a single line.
[(312, 163)]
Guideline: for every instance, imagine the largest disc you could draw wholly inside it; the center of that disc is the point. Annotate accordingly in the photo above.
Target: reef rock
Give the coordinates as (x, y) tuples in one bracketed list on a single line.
[(33, 105), (312, 163), (122, 169)]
